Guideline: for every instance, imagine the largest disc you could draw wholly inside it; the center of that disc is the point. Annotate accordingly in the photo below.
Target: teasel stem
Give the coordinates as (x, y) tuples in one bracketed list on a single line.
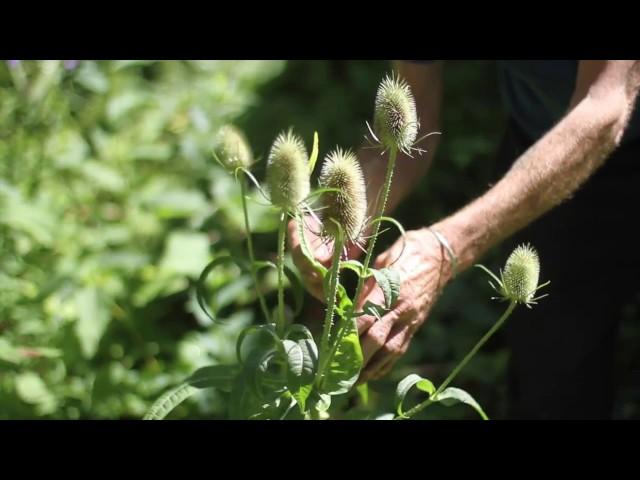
[(461, 365), (386, 187), (282, 228), (331, 301), (252, 259)]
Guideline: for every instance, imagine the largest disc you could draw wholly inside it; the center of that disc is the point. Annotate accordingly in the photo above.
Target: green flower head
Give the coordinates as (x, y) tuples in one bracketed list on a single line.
[(518, 281), (395, 119), (288, 171), (347, 206), (232, 148)]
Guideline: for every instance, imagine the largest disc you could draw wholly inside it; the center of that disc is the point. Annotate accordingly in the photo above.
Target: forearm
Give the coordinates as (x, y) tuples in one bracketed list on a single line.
[(545, 175)]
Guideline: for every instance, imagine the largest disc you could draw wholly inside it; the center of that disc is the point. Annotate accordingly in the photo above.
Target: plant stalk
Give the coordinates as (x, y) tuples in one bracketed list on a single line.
[(461, 365), (386, 187), (252, 259), (281, 321), (334, 273)]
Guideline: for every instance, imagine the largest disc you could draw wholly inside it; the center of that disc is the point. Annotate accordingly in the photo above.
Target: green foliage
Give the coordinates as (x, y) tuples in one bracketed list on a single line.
[(110, 206)]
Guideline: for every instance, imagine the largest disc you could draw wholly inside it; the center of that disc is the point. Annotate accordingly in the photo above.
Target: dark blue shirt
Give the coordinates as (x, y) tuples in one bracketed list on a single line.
[(537, 94)]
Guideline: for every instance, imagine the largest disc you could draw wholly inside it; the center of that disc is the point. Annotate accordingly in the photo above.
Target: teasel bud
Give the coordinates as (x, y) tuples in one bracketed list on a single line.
[(395, 118), (348, 206), (232, 148), (288, 171), (521, 274)]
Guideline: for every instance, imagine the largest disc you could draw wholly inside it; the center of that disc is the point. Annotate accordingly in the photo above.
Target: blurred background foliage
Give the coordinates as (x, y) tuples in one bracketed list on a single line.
[(110, 206)]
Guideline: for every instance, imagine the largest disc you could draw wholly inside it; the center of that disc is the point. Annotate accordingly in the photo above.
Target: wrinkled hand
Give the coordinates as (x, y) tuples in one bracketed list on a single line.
[(424, 269), (322, 251)]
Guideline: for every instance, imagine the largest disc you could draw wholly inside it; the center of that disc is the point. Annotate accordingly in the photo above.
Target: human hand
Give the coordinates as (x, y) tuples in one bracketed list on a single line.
[(424, 269)]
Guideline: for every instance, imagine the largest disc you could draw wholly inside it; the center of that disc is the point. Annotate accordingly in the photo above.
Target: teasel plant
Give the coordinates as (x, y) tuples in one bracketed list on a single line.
[(517, 285), (396, 127), (234, 154), (344, 209), (283, 373)]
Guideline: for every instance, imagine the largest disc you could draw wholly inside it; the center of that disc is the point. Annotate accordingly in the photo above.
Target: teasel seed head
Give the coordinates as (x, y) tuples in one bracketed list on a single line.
[(348, 206), (232, 148), (395, 118), (288, 171), (521, 274)]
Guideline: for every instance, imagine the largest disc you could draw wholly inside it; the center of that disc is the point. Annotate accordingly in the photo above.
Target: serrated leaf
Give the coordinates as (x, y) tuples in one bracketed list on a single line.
[(294, 357), (389, 282), (406, 384), (303, 385), (169, 401), (200, 285), (452, 395), (213, 376)]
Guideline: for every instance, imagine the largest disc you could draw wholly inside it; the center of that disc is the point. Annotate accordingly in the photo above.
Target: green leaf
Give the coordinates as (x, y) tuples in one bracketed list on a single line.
[(256, 366), (294, 356), (200, 285), (297, 328), (452, 395), (373, 309), (32, 389), (93, 318), (170, 400), (314, 153), (353, 265), (345, 366), (269, 328), (389, 282), (214, 376), (185, 253), (302, 386), (406, 384), (391, 220), (8, 352)]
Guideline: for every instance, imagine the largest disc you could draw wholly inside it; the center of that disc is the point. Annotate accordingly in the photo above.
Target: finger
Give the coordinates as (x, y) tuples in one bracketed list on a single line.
[(395, 346), (375, 338), (383, 364)]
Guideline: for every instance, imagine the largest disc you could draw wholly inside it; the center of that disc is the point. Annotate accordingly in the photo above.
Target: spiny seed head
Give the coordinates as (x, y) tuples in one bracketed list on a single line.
[(348, 206), (395, 119), (232, 148), (288, 171), (521, 274)]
